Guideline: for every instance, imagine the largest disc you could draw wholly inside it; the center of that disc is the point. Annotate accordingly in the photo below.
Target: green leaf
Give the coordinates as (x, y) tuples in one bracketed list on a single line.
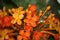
[(8, 4), (25, 3)]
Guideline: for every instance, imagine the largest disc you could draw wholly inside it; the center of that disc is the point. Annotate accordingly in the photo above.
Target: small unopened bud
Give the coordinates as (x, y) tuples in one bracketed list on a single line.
[(29, 5), (40, 13), (48, 8)]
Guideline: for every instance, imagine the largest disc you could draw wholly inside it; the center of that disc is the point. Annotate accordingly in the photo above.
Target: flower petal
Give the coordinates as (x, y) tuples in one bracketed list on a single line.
[(19, 22)]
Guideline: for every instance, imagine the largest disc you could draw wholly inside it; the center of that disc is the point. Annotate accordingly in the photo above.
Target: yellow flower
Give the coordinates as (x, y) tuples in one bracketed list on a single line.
[(3, 12), (17, 15), (3, 33)]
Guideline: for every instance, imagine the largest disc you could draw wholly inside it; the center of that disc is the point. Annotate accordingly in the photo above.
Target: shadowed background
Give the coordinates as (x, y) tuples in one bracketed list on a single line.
[(40, 3)]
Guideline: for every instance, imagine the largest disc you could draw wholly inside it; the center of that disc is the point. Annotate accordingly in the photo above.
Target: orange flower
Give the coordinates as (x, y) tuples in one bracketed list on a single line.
[(11, 38), (6, 21), (19, 37), (57, 36), (32, 7), (32, 21), (23, 35), (21, 32), (31, 10), (37, 35), (31, 17), (0, 20), (3, 34), (28, 28), (3, 12)]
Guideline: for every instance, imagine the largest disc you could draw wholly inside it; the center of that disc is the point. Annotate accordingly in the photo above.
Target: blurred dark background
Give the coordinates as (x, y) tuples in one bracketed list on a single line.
[(40, 3)]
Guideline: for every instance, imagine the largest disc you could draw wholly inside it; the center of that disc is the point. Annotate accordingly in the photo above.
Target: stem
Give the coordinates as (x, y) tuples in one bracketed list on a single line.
[(48, 33)]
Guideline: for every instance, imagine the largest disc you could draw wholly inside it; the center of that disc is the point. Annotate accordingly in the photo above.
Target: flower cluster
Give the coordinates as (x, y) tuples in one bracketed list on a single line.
[(27, 24), (31, 17), (17, 15), (5, 21)]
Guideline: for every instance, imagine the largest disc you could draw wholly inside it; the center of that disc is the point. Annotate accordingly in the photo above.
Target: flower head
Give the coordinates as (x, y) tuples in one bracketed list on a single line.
[(31, 10), (23, 35), (37, 35), (28, 28), (17, 14), (33, 20), (5, 21)]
